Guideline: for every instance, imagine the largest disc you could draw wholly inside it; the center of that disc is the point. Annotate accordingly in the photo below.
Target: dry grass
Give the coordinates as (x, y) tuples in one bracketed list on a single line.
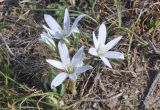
[(122, 88)]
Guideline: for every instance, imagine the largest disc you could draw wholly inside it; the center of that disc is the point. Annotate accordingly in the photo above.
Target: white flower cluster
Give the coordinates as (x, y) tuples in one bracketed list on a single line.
[(71, 68)]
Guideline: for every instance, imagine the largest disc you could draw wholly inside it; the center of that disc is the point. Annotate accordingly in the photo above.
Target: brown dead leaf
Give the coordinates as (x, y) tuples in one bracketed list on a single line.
[(149, 32)]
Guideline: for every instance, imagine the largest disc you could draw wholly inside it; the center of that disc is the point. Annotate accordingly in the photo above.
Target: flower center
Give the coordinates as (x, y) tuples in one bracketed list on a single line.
[(101, 50), (70, 69)]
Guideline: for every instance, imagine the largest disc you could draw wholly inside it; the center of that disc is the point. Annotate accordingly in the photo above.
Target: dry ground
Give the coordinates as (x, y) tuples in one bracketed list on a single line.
[(131, 84)]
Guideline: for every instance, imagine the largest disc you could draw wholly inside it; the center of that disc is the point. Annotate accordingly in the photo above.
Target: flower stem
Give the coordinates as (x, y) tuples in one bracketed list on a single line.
[(67, 42), (76, 41), (73, 88)]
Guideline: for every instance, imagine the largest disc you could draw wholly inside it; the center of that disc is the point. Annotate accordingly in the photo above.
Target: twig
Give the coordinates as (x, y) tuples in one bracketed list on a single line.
[(153, 46), (102, 100), (9, 50), (152, 89)]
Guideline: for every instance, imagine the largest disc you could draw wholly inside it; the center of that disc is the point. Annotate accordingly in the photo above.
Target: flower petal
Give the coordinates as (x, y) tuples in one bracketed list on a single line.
[(102, 34), (114, 55), (56, 64), (74, 26), (53, 34), (45, 37), (49, 30), (75, 30), (52, 23), (93, 51), (64, 54), (83, 69), (58, 79), (106, 61), (112, 43), (73, 76), (78, 57), (95, 41), (66, 22)]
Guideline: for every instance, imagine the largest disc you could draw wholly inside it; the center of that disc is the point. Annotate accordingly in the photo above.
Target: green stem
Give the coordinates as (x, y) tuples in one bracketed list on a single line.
[(119, 12), (8, 78), (73, 87), (129, 45), (76, 41), (67, 43)]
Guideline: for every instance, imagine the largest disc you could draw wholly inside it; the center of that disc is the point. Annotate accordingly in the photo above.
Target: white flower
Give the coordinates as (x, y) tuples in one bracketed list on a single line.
[(70, 68), (55, 29), (102, 50), (45, 37)]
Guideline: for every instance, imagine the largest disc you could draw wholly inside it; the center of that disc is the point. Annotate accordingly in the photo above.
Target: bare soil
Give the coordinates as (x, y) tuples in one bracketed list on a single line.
[(126, 86)]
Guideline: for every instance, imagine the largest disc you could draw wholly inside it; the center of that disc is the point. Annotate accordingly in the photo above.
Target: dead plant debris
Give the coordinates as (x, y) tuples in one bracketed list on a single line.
[(132, 84)]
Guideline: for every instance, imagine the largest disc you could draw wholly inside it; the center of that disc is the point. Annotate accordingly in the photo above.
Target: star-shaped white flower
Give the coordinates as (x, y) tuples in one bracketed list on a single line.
[(102, 50), (55, 29), (70, 68)]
